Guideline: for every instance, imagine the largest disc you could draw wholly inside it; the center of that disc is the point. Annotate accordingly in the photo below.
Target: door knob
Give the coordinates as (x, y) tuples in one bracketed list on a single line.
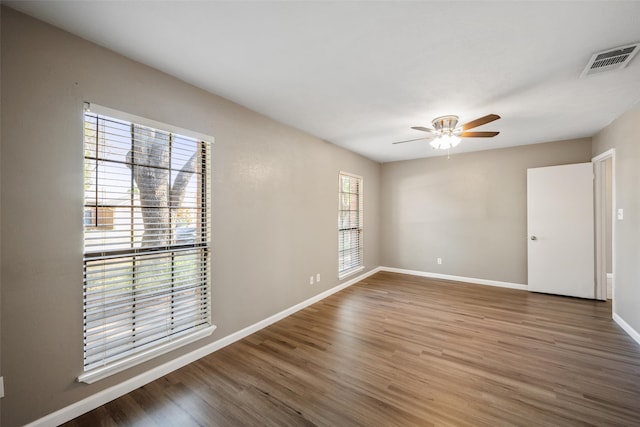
[(534, 238)]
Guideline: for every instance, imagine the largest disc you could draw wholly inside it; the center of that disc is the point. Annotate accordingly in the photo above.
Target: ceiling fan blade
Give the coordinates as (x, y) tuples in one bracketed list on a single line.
[(481, 121), (423, 129), (411, 140), (478, 134)]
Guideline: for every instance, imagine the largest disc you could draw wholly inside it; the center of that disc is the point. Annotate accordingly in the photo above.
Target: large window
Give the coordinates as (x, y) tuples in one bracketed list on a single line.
[(349, 224), (146, 242)]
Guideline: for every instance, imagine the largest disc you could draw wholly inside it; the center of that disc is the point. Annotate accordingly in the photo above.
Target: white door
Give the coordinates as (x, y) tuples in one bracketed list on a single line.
[(561, 230)]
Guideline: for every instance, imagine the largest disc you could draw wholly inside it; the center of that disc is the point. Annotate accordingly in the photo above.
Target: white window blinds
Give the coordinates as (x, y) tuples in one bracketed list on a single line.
[(350, 211), (146, 241)]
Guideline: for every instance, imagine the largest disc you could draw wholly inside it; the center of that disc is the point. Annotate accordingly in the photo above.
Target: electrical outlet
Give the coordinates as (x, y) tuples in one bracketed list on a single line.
[(311, 280), (318, 277), (439, 260)]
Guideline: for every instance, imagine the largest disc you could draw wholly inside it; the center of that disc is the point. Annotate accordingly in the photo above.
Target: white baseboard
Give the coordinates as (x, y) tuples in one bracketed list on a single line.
[(94, 401), (456, 278), (627, 328)]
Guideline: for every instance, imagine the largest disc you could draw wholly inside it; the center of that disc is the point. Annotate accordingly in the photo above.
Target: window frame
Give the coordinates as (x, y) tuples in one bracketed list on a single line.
[(343, 273), (200, 251)]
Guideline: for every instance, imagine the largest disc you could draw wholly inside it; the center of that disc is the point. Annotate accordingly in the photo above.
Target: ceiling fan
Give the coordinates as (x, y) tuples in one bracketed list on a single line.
[(447, 134)]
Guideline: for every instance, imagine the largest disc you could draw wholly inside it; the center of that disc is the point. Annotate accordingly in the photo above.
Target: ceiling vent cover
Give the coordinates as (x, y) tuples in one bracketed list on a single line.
[(611, 59)]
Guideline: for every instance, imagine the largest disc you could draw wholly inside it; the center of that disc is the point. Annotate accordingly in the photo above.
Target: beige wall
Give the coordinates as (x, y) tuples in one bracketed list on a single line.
[(624, 135), (0, 208), (470, 210), (274, 213)]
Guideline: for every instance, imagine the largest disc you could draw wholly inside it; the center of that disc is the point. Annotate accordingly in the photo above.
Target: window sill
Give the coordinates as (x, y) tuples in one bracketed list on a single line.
[(350, 272), (102, 372)]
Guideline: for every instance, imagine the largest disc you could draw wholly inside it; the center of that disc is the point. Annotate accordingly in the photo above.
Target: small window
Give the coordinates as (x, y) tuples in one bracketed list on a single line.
[(147, 260), (350, 211)]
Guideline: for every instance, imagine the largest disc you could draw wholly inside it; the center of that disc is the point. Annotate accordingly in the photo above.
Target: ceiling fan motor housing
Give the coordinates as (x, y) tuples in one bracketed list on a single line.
[(445, 125)]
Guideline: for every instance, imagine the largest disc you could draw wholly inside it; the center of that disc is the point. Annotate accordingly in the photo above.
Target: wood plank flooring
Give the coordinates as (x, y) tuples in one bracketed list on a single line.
[(399, 350)]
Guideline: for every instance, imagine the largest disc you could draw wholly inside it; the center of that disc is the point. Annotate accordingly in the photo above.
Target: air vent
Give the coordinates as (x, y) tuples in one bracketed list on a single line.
[(611, 59)]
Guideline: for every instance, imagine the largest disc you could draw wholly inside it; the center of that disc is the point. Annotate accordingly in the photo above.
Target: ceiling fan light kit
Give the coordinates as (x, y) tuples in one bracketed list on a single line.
[(447, 134), (445, 142)]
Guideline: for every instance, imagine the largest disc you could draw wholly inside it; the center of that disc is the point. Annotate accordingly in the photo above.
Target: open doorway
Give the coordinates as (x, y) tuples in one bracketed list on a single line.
[(604, 186)]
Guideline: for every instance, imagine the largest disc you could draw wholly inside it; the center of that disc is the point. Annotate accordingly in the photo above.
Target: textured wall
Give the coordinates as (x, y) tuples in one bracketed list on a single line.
[(274, 206), (470, 210), (624, 135)]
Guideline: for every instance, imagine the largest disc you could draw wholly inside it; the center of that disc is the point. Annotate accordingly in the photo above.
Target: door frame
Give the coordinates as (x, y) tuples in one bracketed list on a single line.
[(600, 192)]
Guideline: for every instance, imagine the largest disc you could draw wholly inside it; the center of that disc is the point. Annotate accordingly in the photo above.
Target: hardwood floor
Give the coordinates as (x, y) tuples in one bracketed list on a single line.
[(398, 350)]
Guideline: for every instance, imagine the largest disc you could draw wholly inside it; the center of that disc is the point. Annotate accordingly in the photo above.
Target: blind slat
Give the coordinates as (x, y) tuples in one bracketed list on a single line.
[(125, 305), (165, 312), (110, 355), (129, 332)]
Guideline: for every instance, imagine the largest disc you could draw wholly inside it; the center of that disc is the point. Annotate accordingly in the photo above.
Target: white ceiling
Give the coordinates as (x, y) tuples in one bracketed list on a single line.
[(360, 74)]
